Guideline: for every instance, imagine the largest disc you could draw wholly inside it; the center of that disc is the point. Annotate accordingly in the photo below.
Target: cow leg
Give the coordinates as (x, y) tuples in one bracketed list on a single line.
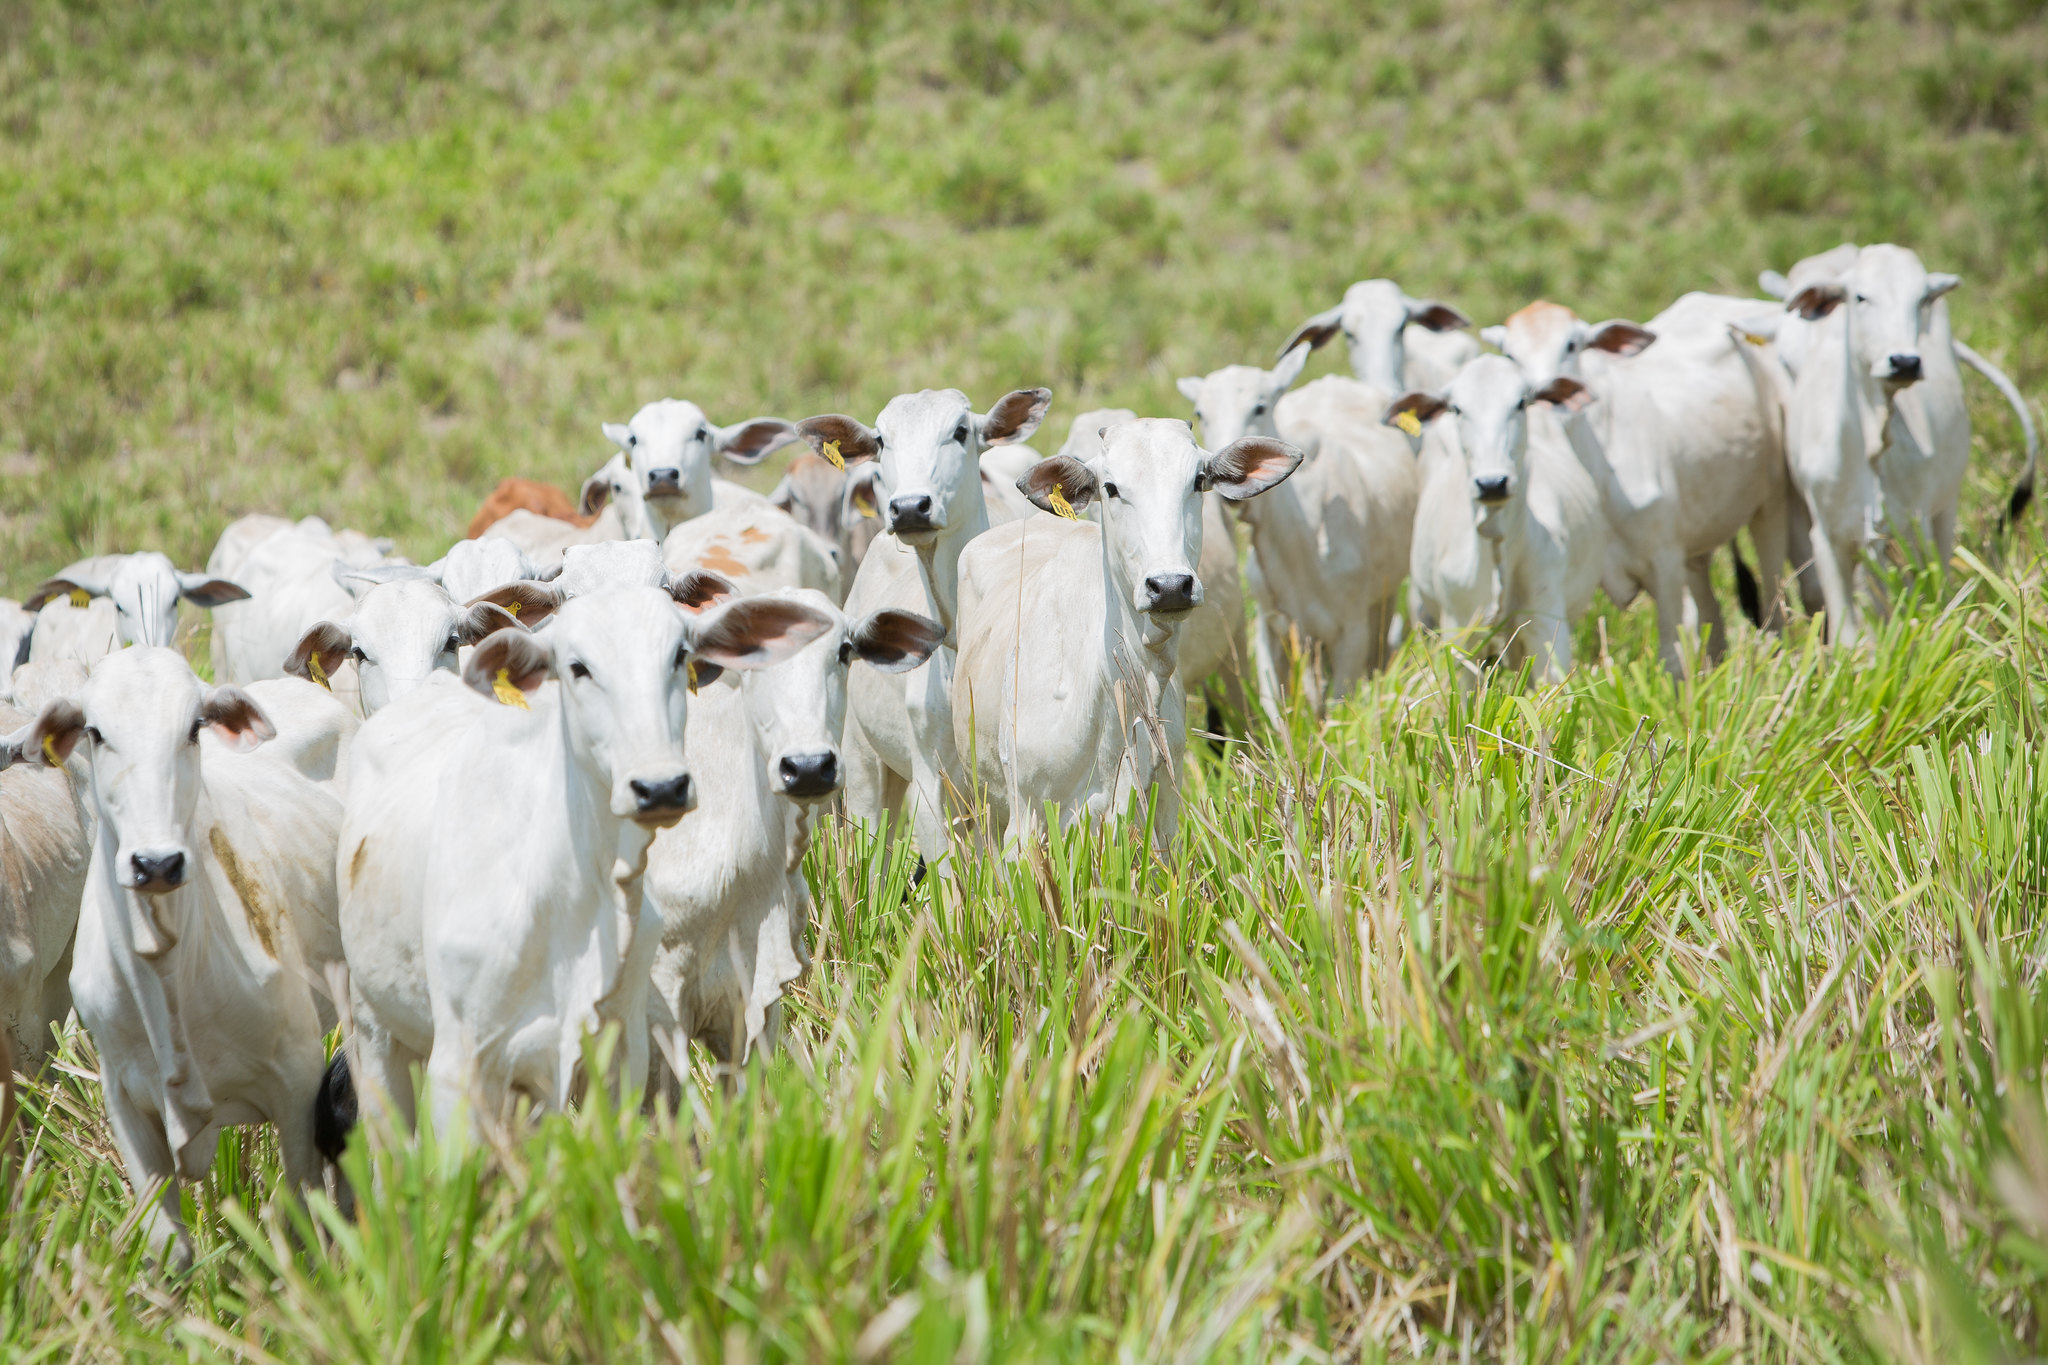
[(382, 1070), (1770, 529), (152, 1174), (1708, 606), (1944, 533), (867, 779), (1835, 564), (1799, 552), (1667, 590), (56, 1008), (1266, 653)]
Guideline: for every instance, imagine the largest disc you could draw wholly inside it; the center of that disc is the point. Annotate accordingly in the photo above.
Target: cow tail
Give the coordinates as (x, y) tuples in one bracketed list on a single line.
[(2023, 491), (334, 1108)]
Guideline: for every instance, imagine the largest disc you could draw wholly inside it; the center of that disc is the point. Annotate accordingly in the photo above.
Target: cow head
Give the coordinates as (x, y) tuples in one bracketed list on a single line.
[(142, 714), (1239, 400), (144, 588), (838, 506), (623, 658), (1887, 292), (927, 446), (1489, 400), (1149, 477), (662, 473), (472, 567), (1372, 320), (1547, 340), (404, 629)]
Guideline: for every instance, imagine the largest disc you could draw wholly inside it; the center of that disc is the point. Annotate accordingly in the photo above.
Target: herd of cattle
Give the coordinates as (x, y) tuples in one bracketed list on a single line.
[(447, 802)]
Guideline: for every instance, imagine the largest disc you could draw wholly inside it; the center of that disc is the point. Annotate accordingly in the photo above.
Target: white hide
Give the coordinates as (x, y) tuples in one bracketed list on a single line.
[(1396, 344), (45, 840), (212, 871), (1069, 632), (758, 546), (492, 855), (402, 630), (289, 569), (662, 473), (899, 730), (143, 590)]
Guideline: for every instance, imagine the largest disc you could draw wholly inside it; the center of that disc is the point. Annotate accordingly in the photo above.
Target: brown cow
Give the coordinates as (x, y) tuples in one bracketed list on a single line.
[(531, 495)]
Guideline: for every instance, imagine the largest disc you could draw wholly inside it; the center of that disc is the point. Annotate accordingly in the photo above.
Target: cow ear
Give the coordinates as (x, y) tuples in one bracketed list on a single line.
[(1074, 483), (235, 718), (1249, 466), (1418, 407), (17, 746), (1315, 333), (1288, 368), (1939, 283), (619, 435), (783, 497), (52, 735), (321, 650), (755, 632), (514, 657), (860, 490), (1495, 336), (700, 588), (1190, 387), (1015, 416), (839, 439), (1619, 337), (480, 619), (896, 641), (1437, 317), (202, 590), (527, 602), (1565, 392), (753, 441), (1816, 301), (51, 588), (1774, 284), (597, 490)]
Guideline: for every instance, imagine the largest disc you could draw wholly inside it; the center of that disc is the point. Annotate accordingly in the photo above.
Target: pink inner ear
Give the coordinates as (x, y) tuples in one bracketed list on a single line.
[(239, 741)]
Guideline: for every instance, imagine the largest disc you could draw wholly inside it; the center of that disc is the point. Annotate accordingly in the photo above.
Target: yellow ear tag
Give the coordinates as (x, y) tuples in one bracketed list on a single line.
[(1753, 339), (690, 673), (319, 673), (50, 751), (507, 691), (512, 608), (80, 597), (1060, 504), (830, 450), (1408, 422), (864, 500)]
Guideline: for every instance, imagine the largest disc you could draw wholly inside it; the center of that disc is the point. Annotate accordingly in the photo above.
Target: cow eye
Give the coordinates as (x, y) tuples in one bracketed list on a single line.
[(454, 643), (1109, 490), (92, 732), (577, 670), (356, 652), (193, 737), (846, 651), (1863, 298), (960, 432), (1258, 409), (632, 438)]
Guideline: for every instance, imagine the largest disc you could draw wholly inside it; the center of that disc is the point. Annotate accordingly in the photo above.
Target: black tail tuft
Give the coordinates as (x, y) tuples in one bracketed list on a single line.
[(334, 1108), (1746, 589), (2022, 498), (1213, 722)]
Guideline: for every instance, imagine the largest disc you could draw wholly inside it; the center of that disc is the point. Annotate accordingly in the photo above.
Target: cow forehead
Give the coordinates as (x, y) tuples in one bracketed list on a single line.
[(667, 418), (1234, 385), (145, 570), (407, 601), (1541, 323), (611, 563), (929, 414), (136, 685), (1894, 271), (1488, 384), (1150, 451), (618, 623), (1375, 305)]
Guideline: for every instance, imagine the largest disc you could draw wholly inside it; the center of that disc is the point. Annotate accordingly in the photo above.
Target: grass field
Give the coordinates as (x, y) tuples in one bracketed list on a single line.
[(1613, 1021)]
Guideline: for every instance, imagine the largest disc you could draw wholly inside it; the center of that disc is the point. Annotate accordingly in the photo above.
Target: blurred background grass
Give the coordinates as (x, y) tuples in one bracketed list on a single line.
[(362, 260)]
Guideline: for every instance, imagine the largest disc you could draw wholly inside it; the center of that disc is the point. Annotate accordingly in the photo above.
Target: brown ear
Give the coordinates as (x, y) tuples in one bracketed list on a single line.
[(597, 491), (1317, 331), (896, 641), (1249, 466), (1816, 301), (1438, 317), (54, 733), (48, 589), (526, 601), (1423, 407), (1566, 392), (751, 442), (755, 632), (324, 646), (516, 653), (1620, 338), (1015, 416), (700, 588), (1075, 481), (235, 718), (481, 618), (848, 437)]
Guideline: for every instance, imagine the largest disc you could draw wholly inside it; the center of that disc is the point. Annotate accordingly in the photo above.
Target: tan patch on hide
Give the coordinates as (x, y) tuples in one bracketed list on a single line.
[(1538, 313), (719, 559), (253, 909), (355, 864), (753, 535)]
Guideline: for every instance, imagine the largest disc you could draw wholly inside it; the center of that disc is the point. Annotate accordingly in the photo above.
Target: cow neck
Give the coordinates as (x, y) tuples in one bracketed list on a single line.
[(1867, 398), (1158, 642), (939, 562)]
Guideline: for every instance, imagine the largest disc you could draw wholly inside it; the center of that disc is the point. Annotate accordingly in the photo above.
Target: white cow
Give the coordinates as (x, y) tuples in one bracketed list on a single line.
[(1398, 344), (662, 473), (1683, 438), (1330, 547), (404, 627), (899, 729), (1510, 531), (545, 539), (837, 505), (45, 840), (728, 881), (472, 568), (141, 588), (17, 627), (491, 859), (1066, 691), (290, 571), (758, 546), (212, 874), (1926, 449)]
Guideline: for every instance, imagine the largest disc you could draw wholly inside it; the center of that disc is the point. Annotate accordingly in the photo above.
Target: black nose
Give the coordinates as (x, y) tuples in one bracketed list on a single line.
[(1171, 591), (1492, 488), (912, 512), (664, 481), (810, 774), (1906, 367), (663, 794), (164, 872)]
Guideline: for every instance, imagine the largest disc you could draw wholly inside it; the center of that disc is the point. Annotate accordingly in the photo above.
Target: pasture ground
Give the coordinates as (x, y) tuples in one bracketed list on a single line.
[(1617, 1020)]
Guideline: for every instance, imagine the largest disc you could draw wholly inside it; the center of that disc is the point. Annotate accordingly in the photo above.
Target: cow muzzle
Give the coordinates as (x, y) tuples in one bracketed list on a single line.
[(1492, 490), (1168, 594), (156, 871), (808, 776), (664, 483), (914, 514), (1902, 368), (662, 800)]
